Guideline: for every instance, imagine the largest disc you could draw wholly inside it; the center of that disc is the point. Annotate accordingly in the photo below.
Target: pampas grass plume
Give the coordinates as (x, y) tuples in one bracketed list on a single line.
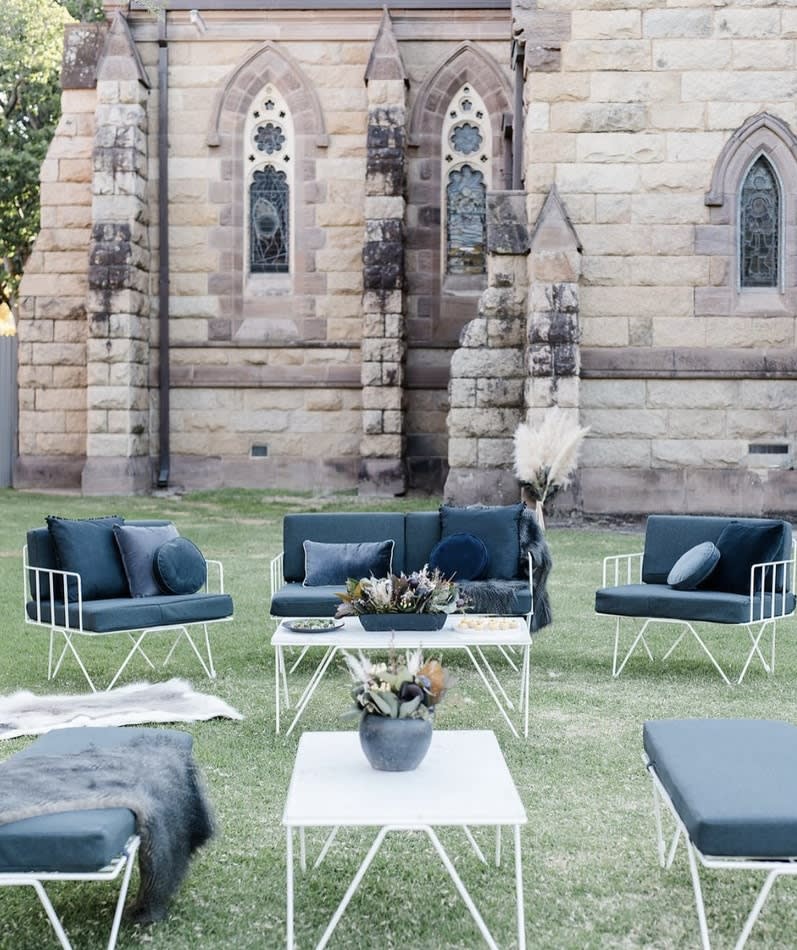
[(546, 456)]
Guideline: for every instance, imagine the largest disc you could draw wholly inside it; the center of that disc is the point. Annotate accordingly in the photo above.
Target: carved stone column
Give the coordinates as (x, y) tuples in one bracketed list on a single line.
[(486, 388), (382, 467), (118, 351)]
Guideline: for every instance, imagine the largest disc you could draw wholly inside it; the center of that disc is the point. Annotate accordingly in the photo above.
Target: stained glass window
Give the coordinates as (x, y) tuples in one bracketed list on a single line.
[(466, 138), (466, 199), (759, 227), (269, 217), (269, 138)]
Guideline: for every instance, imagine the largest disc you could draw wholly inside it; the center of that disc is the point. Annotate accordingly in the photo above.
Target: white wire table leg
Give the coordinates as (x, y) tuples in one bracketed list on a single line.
[(55, 922), (352, 888), (498, 846), (701, 909), (763, 894), (505, 653), (463, 892), (494, 678), (526, 687), (673, 845), (491, 691), (521, 917), (327, 845), (289, 886), (308, 694), (277, 687), (284, 675), (311, 682), (302, 850), (302, 655), (476, 849)]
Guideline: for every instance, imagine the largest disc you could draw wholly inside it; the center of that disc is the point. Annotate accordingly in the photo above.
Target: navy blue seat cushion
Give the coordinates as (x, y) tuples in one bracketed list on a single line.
[(72, 842), (694, 566), (179, 567), (326, 564), (137, 546), (461, 556), (496, 525), (741, 545), (731, 781), (337, 527), (659, 600), (88, 548), (296, 600), (127, 613)]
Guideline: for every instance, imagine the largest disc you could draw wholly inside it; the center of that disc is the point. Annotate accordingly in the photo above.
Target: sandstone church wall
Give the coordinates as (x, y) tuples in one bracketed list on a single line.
[(688, 383)]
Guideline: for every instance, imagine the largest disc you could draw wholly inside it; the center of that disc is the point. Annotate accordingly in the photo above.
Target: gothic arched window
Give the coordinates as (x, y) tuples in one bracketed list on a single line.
[(269, 183), (467, 151), (759, 227)]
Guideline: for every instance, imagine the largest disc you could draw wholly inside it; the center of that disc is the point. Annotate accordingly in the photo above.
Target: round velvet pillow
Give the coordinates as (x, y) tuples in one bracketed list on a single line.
[(463, 556), (694, 566), (179, 567)]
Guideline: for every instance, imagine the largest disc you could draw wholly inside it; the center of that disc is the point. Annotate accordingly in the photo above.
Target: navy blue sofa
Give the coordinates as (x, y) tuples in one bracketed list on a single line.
[(635, 586), (134, 617), (414, 533)]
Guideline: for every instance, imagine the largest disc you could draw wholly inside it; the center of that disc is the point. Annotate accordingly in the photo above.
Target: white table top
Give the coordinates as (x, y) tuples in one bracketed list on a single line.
[(463, 780), (351, 635)]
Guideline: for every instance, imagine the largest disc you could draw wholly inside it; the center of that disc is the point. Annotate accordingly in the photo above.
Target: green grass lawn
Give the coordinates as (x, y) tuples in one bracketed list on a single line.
[(591, 875)]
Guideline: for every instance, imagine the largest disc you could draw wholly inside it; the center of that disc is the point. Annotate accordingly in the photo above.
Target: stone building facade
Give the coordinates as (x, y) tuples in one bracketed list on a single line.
[(345, 247)]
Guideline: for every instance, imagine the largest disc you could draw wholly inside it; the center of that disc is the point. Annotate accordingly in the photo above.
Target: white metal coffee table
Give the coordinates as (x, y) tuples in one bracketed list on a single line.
[(351, 636), (463, 782)]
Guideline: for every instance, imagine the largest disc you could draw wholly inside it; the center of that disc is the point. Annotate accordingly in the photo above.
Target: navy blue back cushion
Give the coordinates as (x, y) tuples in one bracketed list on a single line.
[(421, 532), (461, 556), (88, 548), (137, 545), (667, 537), (334, 528), (497, 526), (327, 564), (741, 545)]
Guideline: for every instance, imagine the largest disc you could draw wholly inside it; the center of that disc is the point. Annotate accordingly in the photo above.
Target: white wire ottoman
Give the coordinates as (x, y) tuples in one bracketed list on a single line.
[(729, 785)]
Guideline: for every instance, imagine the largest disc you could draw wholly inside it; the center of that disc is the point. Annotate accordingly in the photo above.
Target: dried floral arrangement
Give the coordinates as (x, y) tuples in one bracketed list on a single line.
[(421, 592), (408, 690), (546, 455)]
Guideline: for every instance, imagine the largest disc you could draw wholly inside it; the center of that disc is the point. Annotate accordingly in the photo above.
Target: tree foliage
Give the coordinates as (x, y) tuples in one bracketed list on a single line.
[(31, 39)]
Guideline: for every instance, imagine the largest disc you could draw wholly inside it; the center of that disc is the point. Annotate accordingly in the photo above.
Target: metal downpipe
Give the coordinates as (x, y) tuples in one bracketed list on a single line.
[(163, 252)]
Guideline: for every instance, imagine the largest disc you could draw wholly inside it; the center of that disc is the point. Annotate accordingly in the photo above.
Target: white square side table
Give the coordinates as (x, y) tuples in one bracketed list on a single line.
[(463, 781)]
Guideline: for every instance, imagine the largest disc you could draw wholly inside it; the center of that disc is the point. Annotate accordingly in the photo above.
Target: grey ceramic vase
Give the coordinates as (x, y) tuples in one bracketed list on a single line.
[(394, 745)]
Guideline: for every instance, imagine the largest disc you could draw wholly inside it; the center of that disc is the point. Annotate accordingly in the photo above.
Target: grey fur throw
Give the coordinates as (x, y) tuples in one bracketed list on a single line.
[(157, 779), (497, 597)]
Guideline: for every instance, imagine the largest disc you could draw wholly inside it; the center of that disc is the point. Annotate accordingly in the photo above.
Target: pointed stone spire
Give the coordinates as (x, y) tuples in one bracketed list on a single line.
[(385, 60), (120, 59)]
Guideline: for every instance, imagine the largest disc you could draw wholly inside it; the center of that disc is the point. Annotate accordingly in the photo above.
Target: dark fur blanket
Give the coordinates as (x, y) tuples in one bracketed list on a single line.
[(156, 779), (498, 597)]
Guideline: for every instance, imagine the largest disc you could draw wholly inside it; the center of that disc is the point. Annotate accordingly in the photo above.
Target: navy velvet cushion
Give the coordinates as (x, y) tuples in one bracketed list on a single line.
[(335, 563), (137, 544), (462, 556), (179, 567), (693, 566), (497, 526), (88, 548), (740, 546)]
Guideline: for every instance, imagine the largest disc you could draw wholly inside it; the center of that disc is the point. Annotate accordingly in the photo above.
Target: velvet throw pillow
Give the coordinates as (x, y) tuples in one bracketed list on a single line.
[(693, 566), (88, 548), (496, 525), (137, 545), (326, 564), (741, 545), (179, 567), (461, 556)]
